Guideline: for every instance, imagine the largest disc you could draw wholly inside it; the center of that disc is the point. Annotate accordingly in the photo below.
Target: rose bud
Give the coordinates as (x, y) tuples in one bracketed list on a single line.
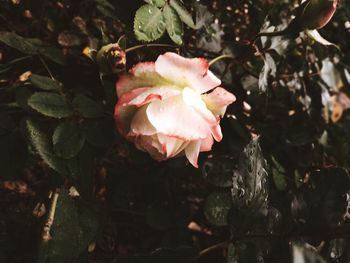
[(111, 59), (166, 109), (317, 13), (309, 16)]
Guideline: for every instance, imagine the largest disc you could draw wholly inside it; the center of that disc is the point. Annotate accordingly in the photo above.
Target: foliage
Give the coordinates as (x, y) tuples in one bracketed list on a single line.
[(274, 190)]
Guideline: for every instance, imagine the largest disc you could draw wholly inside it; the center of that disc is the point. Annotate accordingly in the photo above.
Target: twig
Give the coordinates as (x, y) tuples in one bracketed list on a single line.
[(214, 247), (209, 249), (46, 236), (46, 67)]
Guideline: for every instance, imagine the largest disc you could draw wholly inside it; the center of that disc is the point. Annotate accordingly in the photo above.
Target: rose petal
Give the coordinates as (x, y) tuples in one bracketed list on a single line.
[(151, 145), (186, 72), (123, 112), (206, 144), (175, 118), (140, 124), (171, 145), (141, 75), (195, 101), (192, 152), (218, 100), (151, 94)]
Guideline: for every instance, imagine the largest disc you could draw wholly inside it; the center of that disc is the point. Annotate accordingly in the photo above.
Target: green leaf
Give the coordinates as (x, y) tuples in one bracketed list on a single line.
[(185, 16), (158, 3), (149, 23), (74, 227), (40, 140), (87, 107), (32, 46), (45, 83), (67, 140), (50, 104), (174, 25), (279, 175), (216, 208), (17, 42)]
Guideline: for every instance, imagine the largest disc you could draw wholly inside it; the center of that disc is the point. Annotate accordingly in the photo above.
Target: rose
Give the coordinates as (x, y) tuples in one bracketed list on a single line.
[(164, 107)]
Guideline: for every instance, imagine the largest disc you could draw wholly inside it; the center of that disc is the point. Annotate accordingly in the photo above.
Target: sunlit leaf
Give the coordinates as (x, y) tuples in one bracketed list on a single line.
[(149, 23), (174, 25)]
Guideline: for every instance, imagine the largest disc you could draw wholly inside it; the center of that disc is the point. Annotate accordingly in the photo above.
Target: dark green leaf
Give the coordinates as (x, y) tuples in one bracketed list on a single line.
[(87, 107), (174, 25), (40, 140), (149, 23), (216, 208), (67, 140), (279, 175), (15, 41), (50, 104), (45, 83)]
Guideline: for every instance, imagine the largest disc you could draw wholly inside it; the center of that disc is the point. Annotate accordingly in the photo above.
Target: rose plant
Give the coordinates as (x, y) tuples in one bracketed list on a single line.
[(164, 107)]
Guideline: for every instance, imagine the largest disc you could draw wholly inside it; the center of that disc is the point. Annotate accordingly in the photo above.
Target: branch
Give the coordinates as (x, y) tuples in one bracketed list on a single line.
[(46, 236)]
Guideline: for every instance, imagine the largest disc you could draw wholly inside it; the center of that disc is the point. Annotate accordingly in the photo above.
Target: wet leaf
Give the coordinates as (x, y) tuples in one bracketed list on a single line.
[(149, 23), (174, 25), (249, 188)]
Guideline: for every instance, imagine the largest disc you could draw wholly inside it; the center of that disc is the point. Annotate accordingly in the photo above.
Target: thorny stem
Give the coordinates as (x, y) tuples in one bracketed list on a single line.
[(148, 45), (225, 56), (46, 236)]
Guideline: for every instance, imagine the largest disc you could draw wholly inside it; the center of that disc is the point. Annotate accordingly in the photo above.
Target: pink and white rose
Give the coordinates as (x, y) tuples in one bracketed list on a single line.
[(164, 107)]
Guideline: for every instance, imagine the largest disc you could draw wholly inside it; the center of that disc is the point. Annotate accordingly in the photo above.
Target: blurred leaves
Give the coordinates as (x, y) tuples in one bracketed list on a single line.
[(216, 208)]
